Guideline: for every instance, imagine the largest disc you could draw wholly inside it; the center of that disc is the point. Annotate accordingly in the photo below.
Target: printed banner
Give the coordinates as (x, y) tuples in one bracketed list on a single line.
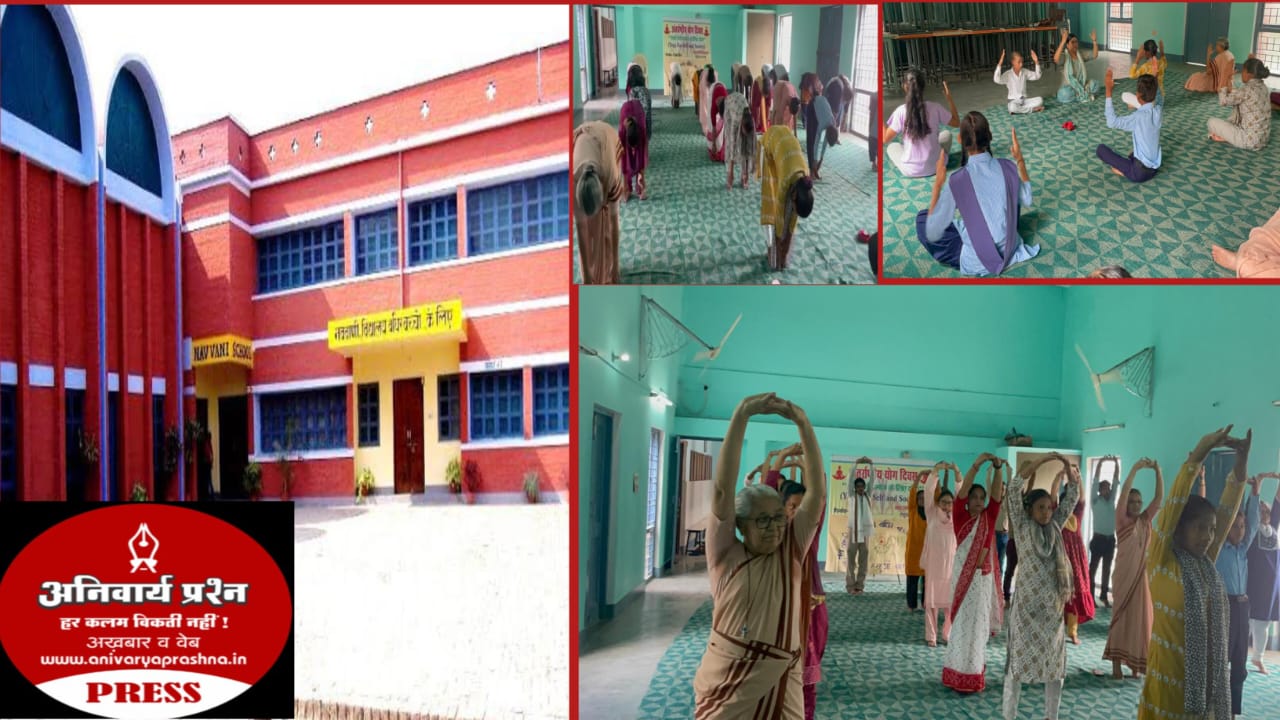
[(147, 610), (405, 324), (687, 42), (890, 493)]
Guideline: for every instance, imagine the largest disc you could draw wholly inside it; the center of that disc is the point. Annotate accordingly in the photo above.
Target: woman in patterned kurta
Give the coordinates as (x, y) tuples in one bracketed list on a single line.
[(786, 191), (1168, 692), (973, 582), (1130, 631), (1037, 650), (1249, 126), (739, 137)]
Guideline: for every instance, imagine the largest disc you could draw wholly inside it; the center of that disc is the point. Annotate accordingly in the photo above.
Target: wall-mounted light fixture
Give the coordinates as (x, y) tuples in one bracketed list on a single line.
[(622, 357), (659, 398), (1102, 428)]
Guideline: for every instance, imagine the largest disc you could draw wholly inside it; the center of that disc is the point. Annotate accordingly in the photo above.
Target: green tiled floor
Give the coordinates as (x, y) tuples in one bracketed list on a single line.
[(694, 231), (1085, 217), (877, 666)]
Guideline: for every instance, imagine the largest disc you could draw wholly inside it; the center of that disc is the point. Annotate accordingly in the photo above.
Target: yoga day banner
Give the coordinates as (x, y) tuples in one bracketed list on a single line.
[(147, 610), (890, 493), (687, 42)]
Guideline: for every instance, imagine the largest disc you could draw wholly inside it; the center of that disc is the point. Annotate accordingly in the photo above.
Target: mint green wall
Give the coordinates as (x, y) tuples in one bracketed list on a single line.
[(1214, 364), (1244, 16), (848, 34), (1168, 19), (804, 37), (640, 31), (609, 323), (1093, 16)]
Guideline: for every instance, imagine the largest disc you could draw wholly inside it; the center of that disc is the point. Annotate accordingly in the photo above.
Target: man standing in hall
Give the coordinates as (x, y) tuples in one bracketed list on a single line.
[(1103, 545), (861, 527)]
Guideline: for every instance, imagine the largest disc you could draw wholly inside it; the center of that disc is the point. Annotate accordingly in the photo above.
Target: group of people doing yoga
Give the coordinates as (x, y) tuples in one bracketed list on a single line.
[(971, 222), (769, 616)]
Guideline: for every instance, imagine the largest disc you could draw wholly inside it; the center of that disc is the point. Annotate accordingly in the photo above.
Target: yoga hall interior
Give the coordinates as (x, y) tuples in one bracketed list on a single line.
[(661, 370), (692, 229), (1084, 217)]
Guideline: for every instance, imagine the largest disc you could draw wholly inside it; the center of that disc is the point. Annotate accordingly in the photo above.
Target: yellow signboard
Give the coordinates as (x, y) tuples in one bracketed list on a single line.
[(222, 349), (431, 320)]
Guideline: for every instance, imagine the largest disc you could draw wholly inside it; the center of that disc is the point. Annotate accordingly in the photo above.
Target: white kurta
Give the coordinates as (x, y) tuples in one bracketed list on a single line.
[(1017, 85)]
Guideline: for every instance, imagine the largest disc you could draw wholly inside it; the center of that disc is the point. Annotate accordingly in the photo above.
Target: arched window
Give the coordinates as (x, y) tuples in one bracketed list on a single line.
[(139, 162), (45, 108)]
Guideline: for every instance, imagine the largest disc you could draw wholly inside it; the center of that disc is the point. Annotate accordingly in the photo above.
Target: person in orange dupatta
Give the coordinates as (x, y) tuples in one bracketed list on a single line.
[(1219, 67), (754, 662), (974, 580)]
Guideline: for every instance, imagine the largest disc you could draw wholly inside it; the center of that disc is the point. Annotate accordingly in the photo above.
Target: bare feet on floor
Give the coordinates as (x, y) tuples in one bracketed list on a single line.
[(1226, 258), (1117, 172), (1039, 109), (1261, 668)]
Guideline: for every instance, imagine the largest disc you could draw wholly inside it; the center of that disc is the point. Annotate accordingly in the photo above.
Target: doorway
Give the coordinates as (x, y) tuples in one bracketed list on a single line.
[(408, 431), (829, 33), (233, 446), (1206, 22), (605, 34), (760, 27), (204, 463), (601, 479)]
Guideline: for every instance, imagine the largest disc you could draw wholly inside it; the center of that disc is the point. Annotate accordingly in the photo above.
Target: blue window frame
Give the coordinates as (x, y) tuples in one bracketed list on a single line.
[(157, 435), (497, 405), (74, 405), (36, 83), (8, 443), (367, 401), (131, 143), (433, 230), (449, 410), (518, 214), (377, 242), (551, 400), (301, 257), (319, 420)]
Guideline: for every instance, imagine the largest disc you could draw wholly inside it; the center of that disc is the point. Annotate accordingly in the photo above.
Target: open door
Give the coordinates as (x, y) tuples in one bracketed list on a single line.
[(410, 458), (760, 30), (233, 446), (605, 34)]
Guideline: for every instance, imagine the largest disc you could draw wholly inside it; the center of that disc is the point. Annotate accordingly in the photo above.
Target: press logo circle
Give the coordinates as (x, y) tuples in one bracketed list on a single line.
[(144, 611)]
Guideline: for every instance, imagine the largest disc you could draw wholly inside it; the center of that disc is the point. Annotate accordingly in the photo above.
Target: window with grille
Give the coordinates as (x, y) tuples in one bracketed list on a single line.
[(449, 407), (551, 400), (377, 242), (157, 435), (1119, 27), (782, 54), (318, 419), (866, 69), (651, 508), (497, 405), (74, 407), (300, 258), (367, 405), (518, 214), (1268, 41), (433, 230), (8, 443)]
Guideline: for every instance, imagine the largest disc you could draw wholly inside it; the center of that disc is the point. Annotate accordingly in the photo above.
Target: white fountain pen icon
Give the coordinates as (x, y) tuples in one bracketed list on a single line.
[(143, 546)]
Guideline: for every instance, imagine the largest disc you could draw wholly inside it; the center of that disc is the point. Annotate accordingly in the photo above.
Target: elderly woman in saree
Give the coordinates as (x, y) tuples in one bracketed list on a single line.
[(786, 191), (637, 90), (973, 580), (1076, 85), (676, 77), (820, 132), (739, 135), (742, 80), (1249, 126), (780, 74), (1130, 631), (597, 188), (1187, 672), (706, 84), (635, 147), (1219, 67), (640, 62), (754, 661), (762, 99), (715, 136), (1037, 649), (786, 105)]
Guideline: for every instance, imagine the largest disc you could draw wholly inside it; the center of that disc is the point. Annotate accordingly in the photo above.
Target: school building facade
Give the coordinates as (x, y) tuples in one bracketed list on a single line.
[(382, 286)]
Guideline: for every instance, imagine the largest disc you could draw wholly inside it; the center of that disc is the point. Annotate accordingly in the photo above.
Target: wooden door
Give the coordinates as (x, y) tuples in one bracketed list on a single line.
[(601, 507), (410, 455), (829, 33)]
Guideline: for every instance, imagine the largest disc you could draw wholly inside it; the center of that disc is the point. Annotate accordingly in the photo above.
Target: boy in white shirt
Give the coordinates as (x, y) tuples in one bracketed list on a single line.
[(1016, 80)]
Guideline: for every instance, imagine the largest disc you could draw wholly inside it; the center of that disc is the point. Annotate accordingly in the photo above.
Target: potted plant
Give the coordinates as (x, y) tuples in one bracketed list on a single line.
[(364, 485), (453, 474), (88, 446), (172, 454), (193, 431), (253, 480), (531, 486), (284, 456), (472, 480), (139, 493)]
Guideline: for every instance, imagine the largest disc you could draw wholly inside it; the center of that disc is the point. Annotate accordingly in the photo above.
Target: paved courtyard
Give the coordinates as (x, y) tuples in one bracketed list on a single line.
[(450, 611)]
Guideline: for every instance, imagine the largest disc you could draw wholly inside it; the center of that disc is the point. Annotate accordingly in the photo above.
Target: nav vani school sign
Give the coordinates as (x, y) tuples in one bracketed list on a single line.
[(442, 318), (222, 349)]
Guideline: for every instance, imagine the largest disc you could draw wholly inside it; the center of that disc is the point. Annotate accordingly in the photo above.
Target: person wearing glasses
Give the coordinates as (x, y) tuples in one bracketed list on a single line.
[(754, 661)]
